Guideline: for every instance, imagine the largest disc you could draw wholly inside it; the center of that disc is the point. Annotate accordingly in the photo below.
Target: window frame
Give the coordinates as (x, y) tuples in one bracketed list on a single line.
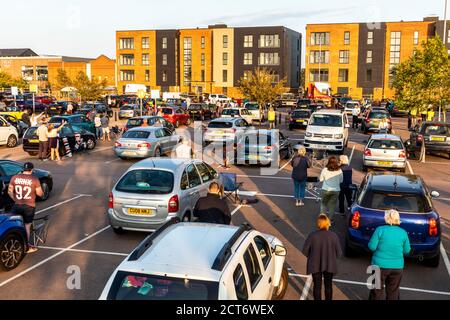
[(251, 252)]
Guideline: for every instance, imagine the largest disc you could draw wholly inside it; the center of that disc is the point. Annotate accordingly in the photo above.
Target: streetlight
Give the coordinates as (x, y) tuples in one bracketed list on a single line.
[(445, 22)]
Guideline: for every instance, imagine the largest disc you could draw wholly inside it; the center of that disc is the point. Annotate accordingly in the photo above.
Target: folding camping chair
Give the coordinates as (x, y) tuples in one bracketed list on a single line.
[(39, 231), (231, 186)]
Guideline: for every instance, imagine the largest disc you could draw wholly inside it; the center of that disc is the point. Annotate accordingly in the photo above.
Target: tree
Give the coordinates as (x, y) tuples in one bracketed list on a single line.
[(6, 81), (260, 87), (62, 79), (89, 90)]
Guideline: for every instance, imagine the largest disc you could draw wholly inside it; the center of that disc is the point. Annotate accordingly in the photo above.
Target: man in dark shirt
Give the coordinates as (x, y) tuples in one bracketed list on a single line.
[(212, 208), (26, 118), (346, 192)]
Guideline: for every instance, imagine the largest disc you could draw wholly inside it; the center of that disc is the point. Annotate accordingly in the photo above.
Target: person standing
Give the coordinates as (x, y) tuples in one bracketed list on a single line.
[(356, 112), (322, 248), (26, 117), (389, 245), (383, 127), (98, 126), (409, 120), (346, 192), (70, 108), (213, 208), (105, 128), (42, 133), (23, 189), (271, 117), (53, 141), (332, 177), (300, 165)]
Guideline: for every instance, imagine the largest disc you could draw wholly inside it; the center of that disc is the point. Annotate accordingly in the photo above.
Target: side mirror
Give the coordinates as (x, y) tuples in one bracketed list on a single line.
[(435, 194), (280, 251)]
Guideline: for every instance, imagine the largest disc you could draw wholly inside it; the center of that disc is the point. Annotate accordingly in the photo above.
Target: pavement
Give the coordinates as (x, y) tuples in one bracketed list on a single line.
[(80, 239)]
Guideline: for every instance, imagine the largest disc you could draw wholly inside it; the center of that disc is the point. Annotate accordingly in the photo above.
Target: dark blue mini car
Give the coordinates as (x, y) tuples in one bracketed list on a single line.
[(12, 242), (410, 196)]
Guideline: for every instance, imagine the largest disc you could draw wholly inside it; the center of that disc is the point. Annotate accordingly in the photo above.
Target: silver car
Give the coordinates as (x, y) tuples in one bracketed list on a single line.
[(129, 111), (226, 130), (145, 142), (155, 190), (385, 151)]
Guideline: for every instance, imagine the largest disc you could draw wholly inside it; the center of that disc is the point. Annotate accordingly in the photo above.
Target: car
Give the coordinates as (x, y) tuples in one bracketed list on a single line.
[(343, 100), (410, 196), (435, 135), (155, 190), (257, 114), (149, 121), (237, 112), (45, 99), (37, 108), (350, 105), (303, 103), (12, 111), (97, 107), (130, 111), (175, 102), (214, 98), (176, 116), (77, 120), (8, 133), (258, 147), (327, 130), (13, 241), (60, 107), (145, 142), (200, 111), (314, 107), (225, 130), (20, 126), (372, 121), (299, 118), (10, 168), (385, 151), (196, 261), (78, 139)]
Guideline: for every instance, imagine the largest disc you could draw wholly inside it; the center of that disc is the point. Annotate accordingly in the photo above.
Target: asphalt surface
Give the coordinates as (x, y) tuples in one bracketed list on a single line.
[(80, 237)]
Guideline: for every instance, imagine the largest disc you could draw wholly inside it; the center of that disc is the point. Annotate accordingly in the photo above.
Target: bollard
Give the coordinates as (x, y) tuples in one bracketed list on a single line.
[(115, 116)]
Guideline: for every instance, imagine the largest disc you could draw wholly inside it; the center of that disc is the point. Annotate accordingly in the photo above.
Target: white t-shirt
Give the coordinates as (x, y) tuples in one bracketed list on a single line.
[(98, 122), (42, 133), (331, 180)]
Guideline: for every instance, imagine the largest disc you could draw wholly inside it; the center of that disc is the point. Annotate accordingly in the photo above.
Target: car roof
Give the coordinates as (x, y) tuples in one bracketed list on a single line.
[(145, 118), (226, 119), (161, 163), (385, 137), (389, 182), (148, 129), (176, 251), (329, 111)]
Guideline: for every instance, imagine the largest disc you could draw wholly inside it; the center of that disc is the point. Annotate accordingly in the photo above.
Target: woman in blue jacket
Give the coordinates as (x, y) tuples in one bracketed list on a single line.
[(300, 165)]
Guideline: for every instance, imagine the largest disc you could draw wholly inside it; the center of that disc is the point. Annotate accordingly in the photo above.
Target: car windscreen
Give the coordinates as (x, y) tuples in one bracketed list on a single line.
[(438, 130), (132, 286), (31, 132), (303, 102), (220, 125), (386, 144), (145, 181), (56, 120), (230, 112), (402, 202), (134, 122), (136, 135), (252, 107), (301, 114), (167, 111), (351, 105), (378, 115), (326, 120)]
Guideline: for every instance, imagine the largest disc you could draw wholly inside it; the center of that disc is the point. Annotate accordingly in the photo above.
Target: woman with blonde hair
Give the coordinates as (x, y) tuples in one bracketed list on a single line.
[(53, 141), (389, 245), (322, 248), (300, 165)]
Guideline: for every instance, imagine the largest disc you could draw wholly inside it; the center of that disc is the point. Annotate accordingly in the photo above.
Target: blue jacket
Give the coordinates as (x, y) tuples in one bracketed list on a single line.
[(348, 177), (389, 245), (300, 167)]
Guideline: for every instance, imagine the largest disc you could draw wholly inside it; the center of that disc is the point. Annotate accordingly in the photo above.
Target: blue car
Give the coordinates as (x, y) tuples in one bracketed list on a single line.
[(410, 196), (12, 242)]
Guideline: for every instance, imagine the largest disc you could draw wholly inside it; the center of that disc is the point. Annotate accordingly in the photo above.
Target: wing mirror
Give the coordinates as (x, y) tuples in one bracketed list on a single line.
[(435, 194), (280, 251)]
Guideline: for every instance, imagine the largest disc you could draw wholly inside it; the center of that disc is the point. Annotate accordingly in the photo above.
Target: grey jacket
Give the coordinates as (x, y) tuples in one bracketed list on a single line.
[(322, 248)]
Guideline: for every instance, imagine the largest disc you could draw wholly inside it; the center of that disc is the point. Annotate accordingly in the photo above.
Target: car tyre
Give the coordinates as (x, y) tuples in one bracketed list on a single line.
[(186, 218), (349, 252), (280, 291), (33, 154), (119, 231), (433, 262), (12, 141), (158, 152), (11, 247), (90, 144), (46, 190), (291, 128), (364, 168), (177, 124)]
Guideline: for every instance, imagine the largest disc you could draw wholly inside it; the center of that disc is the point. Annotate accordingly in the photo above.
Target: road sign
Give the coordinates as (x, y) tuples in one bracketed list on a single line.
[(141, 93), (34, 88), (14, 91)]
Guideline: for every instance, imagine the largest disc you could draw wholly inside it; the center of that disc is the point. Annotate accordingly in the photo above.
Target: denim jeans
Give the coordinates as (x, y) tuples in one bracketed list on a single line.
[(299, 190), (329, 202), (99, 132)]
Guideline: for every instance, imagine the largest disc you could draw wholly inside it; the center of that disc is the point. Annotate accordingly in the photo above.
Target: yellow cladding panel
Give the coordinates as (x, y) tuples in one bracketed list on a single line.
[(219, 49)]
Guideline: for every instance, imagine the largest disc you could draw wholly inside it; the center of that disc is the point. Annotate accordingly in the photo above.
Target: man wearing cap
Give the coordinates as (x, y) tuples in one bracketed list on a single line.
[(23, 189)]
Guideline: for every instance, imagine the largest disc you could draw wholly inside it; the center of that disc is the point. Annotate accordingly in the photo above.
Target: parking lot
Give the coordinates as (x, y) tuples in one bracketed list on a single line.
[(80, 235)]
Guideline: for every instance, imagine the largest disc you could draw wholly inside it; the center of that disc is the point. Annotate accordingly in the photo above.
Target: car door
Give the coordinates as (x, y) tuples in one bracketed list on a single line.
[(68, 132), (267, 261), (172, 139), (195, 185), (207, 178), (163, 140), (259, 290), (4, 131)]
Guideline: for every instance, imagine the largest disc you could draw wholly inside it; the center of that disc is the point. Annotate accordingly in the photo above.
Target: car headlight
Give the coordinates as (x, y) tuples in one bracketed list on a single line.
[(309, 135), (339, 136)]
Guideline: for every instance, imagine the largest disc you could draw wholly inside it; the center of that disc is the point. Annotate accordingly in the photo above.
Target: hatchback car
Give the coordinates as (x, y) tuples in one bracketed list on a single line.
[(145, 142), (155, 190), (200, 111), (20, 126), (350, 106), (176, 116), (13, 239), (148, 121), (410, 196), (385, 151), (435, 135), (299, 118), (237, 112), (372, 121), (257, 114), (77, 120), (8, 134), (129, 111), (225, 130), (194, 261)]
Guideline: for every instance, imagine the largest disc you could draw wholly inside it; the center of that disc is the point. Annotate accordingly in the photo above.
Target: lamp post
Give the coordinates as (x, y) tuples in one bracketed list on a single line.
[(445, 22)]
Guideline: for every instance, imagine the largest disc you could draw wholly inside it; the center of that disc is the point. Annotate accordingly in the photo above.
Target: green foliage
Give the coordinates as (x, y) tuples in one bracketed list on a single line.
[(89, 90), (6, 81), (63, 80)]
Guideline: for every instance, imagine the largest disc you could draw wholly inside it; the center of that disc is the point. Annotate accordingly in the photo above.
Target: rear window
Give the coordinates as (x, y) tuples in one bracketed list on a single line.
[(303, 102), (167, 111), (402, 202), (252, 107), (56, 120), (134, 122), (146, 182), (230, 112), (386, 144), (301, 114), (136, 135), (31, 132), (127, 108), (220, 125), (127, 286), (439, 130), (378, 115)]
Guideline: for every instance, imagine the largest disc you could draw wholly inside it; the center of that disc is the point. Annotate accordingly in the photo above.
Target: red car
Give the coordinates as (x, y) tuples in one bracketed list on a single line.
[(175, 116), (45, 100)]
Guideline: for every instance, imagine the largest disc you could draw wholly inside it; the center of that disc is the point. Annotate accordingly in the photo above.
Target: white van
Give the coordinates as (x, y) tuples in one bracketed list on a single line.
[(214, 98)]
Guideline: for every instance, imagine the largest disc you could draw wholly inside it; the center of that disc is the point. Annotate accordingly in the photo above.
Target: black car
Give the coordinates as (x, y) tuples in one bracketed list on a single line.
[(9, 168), (436, 136), (299, 118), (303, 103), (60, 108), (149, 121), (316, 107), (200, 111), (78, 139), (38, 107), (102, 108)]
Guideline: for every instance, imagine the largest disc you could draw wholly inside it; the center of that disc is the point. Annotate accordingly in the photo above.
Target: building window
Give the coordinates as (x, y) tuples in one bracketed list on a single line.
[(203, 42), (320, 38), (248, 59), (347, 37), (225, 59), (225, 42), (42, 73), (247, 74), (187, 60), (269, 59), (126, 59), (164, 43), (319, 57), (27, 73), (369, 57), (318, 76), (344, 56), (343, 75), (202, 58), (145, 43), (164, 76), (370, 37), (164, 59), (145, 59), (147, 75), (126, 75), (275, 78), (248, 41), (369, 75), (225, 76), (203, 76), (126, 43), (269, 41), (394, 55), (416, 38)]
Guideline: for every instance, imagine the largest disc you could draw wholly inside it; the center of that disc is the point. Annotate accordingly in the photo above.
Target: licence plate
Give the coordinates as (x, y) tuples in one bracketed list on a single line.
[(129, 153), (301, 121), (438, 139), (384, 163), (140, 212), (321, 147), (33, 141)]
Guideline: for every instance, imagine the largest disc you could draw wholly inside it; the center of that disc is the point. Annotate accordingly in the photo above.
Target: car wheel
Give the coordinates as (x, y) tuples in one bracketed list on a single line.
[(33, 154), (177, 124), (433, 262), (186, 218), (90, 144), (364, 168), (118, 231), (158, 153), (349, 252), (12, 141), (12, 251), (188, 122), (280, 291), (291, 128), (123, 158), (46, 190)]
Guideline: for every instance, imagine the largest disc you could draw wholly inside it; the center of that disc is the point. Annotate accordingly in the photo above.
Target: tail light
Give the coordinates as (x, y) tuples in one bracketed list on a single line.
[(433, 228), (402, 155), (174, 204), (368, 153), (145, 145), (117, 144), (356, 220), (420, 138), (111, 201)]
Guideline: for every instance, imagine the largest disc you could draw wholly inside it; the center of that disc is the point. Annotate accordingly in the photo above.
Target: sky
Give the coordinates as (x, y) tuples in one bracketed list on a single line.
[(86, 28)]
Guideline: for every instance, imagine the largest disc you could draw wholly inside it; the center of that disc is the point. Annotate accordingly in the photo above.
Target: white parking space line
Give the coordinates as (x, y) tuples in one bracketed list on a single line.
[(287, 163), (264, 177), (257, 194), (236, 210), (445, 257), (305, 292), (101, 149), (442, 293), (409, 167), (109, 162), (53, 257), (86, 251), (351, 155), (63, 202), (442, 199)]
